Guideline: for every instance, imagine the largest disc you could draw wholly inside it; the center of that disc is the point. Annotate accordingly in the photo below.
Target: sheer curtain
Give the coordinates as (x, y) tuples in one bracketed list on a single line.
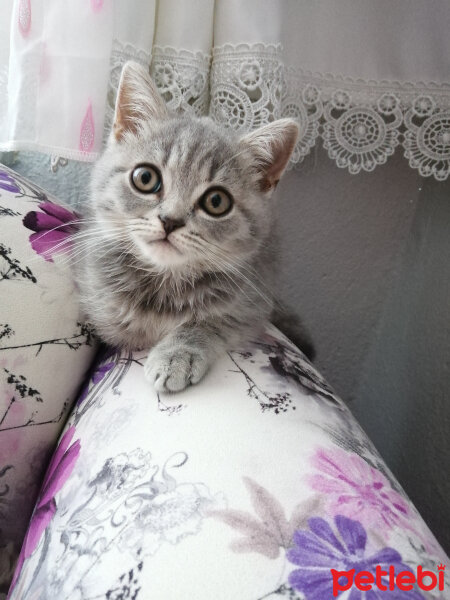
[(362, 77)]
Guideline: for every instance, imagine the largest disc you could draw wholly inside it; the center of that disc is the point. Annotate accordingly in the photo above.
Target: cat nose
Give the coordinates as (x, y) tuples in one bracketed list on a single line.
[(170, 224)]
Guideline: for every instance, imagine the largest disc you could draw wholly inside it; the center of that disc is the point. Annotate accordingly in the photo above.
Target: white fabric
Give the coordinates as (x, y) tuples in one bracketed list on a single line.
[(233, 489), (364, 76), (44, 351)]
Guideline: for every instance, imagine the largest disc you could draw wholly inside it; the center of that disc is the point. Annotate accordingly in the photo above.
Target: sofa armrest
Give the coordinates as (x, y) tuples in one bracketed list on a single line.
[(253, 484)]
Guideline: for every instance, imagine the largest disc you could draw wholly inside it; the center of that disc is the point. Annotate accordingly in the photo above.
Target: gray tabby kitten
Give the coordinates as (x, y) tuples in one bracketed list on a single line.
[(176, 255)]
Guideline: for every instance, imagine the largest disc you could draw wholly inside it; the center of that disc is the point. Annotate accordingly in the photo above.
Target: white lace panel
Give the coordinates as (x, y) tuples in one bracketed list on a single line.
[(182, 78), (364, 121), (250, 88), (361, 123)]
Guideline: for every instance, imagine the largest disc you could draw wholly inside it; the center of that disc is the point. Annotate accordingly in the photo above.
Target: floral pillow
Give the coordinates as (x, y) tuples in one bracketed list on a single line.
[(45, 349)]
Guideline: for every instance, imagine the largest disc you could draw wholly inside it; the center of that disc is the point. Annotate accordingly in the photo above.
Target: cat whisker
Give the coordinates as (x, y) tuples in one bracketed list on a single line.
[(225, 263), (222, 267), (83, 243), (71, 238)]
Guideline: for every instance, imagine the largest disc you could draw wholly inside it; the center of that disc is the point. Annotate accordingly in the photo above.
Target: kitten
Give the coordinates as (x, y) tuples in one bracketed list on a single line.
[(176, 254)]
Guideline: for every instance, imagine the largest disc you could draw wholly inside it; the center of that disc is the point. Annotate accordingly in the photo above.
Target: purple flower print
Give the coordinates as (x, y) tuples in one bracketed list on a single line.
[(52, 229), (8, 183), (353, 488), (320, 549), (97, 374), (59, 470)]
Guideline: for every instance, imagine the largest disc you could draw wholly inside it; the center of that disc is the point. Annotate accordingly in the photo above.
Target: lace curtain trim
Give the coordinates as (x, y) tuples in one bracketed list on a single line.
[(360, 123)]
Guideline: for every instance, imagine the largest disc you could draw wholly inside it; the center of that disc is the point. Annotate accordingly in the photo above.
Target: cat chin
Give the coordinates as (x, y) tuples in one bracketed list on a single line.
[(160, 253)]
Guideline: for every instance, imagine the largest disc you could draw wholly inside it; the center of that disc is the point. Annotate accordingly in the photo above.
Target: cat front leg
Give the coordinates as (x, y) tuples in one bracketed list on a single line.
[(183, 357)]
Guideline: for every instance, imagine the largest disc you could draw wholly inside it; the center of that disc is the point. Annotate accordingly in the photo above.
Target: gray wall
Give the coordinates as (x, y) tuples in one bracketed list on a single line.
[(406, 374), (340, 238), (366, 263)]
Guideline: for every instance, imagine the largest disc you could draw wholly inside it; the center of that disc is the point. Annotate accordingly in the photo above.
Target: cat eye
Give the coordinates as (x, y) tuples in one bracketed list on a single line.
[(146, 179), (216, 202)]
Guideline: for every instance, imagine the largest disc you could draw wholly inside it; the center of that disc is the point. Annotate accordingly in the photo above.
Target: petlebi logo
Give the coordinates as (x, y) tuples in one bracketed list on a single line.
[(386, 578)]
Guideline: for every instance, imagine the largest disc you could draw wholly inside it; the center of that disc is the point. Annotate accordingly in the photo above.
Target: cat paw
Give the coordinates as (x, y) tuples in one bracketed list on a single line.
[(173, 370)]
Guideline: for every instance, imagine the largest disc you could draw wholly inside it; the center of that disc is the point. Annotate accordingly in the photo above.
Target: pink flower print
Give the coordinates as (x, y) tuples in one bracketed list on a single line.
[(53, 228), (97, 5), (356, 490), (87, 132), (58, 472), (24, 19)]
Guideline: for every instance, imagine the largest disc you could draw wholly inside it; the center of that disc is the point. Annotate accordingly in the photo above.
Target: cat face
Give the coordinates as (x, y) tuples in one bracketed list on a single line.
[(181, 193)]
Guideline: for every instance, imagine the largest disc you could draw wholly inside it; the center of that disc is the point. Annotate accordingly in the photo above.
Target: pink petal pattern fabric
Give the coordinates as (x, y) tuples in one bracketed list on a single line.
[(24, 19), (87, 132), (97, 5), (162, 493)]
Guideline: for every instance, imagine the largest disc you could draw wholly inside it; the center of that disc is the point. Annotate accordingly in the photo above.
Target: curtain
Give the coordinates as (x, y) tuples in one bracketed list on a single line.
[(362, 77)]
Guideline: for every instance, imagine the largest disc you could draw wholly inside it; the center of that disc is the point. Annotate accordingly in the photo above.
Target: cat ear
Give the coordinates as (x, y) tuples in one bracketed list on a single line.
[(272, 146), (138, 100)]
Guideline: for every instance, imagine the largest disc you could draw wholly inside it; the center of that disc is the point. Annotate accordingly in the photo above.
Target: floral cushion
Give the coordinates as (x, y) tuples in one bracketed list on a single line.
[(44, 350), (254, 484)]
